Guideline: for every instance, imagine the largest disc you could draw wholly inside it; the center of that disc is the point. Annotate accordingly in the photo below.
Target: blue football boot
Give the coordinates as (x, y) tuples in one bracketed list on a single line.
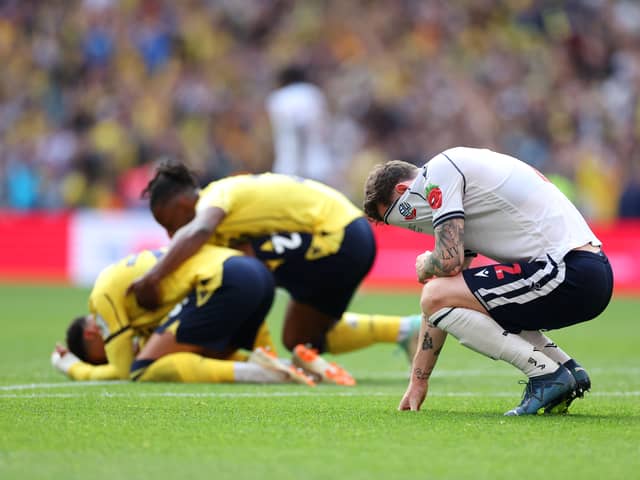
[(545, 391), (583, 384)]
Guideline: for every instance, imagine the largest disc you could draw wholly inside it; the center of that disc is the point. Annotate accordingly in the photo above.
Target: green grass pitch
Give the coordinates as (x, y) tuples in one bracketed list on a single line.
[(51, 428)]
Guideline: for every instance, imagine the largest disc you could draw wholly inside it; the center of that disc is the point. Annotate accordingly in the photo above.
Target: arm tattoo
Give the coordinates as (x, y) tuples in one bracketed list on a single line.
[(448, 255), (421, 374), (427, 341)]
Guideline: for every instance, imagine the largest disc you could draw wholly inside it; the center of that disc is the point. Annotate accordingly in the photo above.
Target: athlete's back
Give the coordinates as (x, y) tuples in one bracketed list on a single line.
[(116, 310), (512, 211), (258, 205)]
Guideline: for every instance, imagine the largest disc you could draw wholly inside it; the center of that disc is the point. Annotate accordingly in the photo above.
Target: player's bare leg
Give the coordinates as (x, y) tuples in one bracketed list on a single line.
[(305, 324), (304, 333), (353, 331), (443, 292)]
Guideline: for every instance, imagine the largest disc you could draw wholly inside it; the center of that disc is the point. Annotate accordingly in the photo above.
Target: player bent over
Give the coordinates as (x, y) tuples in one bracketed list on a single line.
[(317, 243), (211, 306), (551, 273)]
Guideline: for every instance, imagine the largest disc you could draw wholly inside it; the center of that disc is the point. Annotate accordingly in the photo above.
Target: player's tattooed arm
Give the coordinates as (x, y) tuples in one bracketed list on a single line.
[(447, 258), (427, 341), (432, 342), (424, 362)]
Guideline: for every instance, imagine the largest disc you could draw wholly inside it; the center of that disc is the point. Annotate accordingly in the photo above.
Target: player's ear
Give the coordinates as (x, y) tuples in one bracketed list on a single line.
[(91, 330), (401, 187), (188, 198), (88, 333), (186, 203)]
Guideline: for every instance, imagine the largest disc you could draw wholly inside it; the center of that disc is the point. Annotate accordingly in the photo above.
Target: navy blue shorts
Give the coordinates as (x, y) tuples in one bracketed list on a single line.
[(327, 283), (544, 295), (231, 317)]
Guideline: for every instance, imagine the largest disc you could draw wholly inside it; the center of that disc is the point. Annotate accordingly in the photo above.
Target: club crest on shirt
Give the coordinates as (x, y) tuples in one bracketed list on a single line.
[(434, 196), (407, 211)]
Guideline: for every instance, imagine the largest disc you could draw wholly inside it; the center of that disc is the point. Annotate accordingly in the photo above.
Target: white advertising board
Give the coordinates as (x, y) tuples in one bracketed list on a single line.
[(98, 238)]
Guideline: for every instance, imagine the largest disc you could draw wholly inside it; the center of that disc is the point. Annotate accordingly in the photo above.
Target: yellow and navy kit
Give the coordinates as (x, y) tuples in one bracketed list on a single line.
[(317, 243), (281, 212), (231, 318), (122, 321)]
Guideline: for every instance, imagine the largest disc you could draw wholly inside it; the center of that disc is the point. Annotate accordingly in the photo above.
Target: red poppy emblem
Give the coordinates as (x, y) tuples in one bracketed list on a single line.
[(434, 197)]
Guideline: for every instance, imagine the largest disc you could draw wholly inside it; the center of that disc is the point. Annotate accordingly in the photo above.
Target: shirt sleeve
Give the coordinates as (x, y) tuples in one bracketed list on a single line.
[(119, 352), (117, 334), (219, 194), (119, 355), (86, 371), (444, 189)]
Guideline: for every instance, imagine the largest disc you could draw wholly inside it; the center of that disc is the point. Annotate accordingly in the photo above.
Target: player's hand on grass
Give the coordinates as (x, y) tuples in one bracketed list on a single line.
[(146, 292), (61, 349), (414, 396), (421, 271), (62, 359)]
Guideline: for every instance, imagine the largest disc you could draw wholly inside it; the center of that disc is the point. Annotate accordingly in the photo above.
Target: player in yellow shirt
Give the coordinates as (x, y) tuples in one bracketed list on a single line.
[(317, 243), (211, 306)]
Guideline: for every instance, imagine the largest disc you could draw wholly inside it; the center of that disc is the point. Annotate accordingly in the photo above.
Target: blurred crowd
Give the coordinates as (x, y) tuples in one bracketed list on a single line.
[(94, 92)]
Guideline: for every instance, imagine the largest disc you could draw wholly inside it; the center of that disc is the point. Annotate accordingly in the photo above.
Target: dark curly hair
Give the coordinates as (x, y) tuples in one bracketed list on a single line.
[(75, 338), (381, 182), (171, 178)]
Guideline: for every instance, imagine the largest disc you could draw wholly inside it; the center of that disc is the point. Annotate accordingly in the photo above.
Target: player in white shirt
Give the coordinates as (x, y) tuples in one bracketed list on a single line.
[(299, 116), (551, 271)]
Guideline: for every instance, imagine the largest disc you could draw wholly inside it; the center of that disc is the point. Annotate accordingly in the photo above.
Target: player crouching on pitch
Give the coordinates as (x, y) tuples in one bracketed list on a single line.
[(552, 271), (317, 244), (213, 305)]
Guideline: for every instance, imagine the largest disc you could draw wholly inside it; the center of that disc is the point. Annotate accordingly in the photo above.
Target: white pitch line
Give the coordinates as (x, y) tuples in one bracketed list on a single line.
[(307, 393), (398, 375), (35, 386)]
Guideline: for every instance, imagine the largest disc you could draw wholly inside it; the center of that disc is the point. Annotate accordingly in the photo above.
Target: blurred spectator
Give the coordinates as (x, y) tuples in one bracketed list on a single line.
[(93, 91), (630, 199), (299, 118)]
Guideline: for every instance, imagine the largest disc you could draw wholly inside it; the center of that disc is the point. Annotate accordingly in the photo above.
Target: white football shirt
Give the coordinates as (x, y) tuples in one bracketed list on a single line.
[(299, 117), (511, 211)]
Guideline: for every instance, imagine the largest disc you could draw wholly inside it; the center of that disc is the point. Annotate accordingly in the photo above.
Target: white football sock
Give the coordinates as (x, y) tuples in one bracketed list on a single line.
[(545, 345), (246, 372), (405, 328), (481, 333)]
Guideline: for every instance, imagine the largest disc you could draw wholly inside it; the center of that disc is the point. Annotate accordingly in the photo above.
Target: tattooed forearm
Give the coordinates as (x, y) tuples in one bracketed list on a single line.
[(447, 257), (427, 341), (422, 374), (426, 358)]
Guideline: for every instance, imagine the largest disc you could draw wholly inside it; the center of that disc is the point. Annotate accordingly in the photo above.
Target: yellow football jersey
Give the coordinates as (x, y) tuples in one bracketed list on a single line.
[(122, 320), (267, 204)]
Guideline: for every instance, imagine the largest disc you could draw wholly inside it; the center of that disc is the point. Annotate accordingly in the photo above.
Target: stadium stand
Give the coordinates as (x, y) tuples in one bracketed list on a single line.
[(93, 91)]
